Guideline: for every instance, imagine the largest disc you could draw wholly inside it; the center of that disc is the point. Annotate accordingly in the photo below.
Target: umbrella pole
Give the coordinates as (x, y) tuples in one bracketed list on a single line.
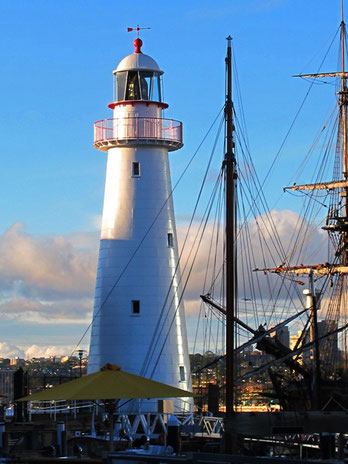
[(110, 407), (93, 421), (111, 448)]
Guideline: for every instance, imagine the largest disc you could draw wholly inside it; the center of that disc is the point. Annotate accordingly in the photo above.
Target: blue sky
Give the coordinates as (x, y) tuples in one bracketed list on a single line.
[(56, 80)]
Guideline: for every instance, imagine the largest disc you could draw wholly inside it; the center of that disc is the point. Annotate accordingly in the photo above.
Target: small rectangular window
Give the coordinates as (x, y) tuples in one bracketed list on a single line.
[(170, 240), (182, 373), (135, 307), (135, 169)]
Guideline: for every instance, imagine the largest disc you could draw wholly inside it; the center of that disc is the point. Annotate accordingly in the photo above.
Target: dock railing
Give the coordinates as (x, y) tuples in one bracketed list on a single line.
[(135, 425)]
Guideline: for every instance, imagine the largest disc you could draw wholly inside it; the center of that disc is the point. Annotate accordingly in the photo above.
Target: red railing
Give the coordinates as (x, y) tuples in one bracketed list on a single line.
[(138, 128)]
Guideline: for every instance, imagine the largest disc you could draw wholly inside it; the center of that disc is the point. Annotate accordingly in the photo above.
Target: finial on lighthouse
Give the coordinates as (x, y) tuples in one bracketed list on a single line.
[(137, 42), (137, 45)]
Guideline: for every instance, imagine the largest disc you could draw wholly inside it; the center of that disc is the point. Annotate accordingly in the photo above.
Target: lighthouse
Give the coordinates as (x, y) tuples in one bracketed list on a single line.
[(139, 320)]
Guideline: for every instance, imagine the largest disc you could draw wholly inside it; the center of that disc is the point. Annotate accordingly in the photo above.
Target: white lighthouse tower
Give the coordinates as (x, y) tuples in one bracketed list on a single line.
[(139, 320)]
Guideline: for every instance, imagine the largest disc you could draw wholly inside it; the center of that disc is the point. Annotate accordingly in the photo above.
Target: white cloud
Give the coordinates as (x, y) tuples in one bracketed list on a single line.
[(251, 255), (84, 240), (36, 351), (31, 310), (45, 267), (47, 279), (51, 280), (8, 350)]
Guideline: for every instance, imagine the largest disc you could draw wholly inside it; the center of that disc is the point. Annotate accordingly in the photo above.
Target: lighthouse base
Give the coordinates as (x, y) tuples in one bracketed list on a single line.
[(167, 406)]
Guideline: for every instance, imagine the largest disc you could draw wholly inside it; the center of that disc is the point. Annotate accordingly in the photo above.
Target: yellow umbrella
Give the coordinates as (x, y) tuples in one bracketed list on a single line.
[(109, 383)]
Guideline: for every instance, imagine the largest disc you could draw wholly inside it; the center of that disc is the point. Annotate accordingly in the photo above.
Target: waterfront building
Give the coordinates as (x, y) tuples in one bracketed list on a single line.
[(6, 384)]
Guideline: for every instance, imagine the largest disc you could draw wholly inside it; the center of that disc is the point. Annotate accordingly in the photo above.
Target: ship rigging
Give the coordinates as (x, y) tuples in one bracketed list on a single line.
[(310, 374)]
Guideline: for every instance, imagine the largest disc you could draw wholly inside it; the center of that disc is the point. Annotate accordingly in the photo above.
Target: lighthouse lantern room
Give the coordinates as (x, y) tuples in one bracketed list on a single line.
[(139, 320), (135, 80)]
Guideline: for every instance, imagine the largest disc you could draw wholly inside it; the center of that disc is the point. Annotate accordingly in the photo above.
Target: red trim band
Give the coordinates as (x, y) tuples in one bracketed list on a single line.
[(131, 102)]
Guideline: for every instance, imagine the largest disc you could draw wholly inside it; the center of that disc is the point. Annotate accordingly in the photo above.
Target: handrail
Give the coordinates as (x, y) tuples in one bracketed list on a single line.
[(138, 128)]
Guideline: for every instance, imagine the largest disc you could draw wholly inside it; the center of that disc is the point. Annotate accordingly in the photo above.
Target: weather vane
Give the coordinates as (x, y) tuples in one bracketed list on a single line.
[(130, 29)]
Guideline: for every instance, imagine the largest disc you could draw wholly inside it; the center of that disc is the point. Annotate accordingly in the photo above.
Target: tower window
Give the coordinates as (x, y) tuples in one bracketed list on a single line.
[(120, 85), (170, 240), (133, 92), (182, 373), (135, 307), (135, 169), (137, 85)]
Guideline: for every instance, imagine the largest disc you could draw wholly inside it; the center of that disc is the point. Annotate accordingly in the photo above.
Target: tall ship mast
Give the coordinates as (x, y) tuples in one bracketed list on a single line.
[(231, 217)]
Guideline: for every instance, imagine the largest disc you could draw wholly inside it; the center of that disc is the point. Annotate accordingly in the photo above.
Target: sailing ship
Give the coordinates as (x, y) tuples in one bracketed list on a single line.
[(322, 383), (312, 374)]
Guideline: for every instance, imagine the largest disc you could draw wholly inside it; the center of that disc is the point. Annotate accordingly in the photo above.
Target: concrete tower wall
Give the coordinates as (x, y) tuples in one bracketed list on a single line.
[(131, 204)]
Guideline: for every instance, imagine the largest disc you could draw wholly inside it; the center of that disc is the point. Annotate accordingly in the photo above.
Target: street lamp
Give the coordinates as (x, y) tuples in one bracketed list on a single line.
[(80, 355)]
